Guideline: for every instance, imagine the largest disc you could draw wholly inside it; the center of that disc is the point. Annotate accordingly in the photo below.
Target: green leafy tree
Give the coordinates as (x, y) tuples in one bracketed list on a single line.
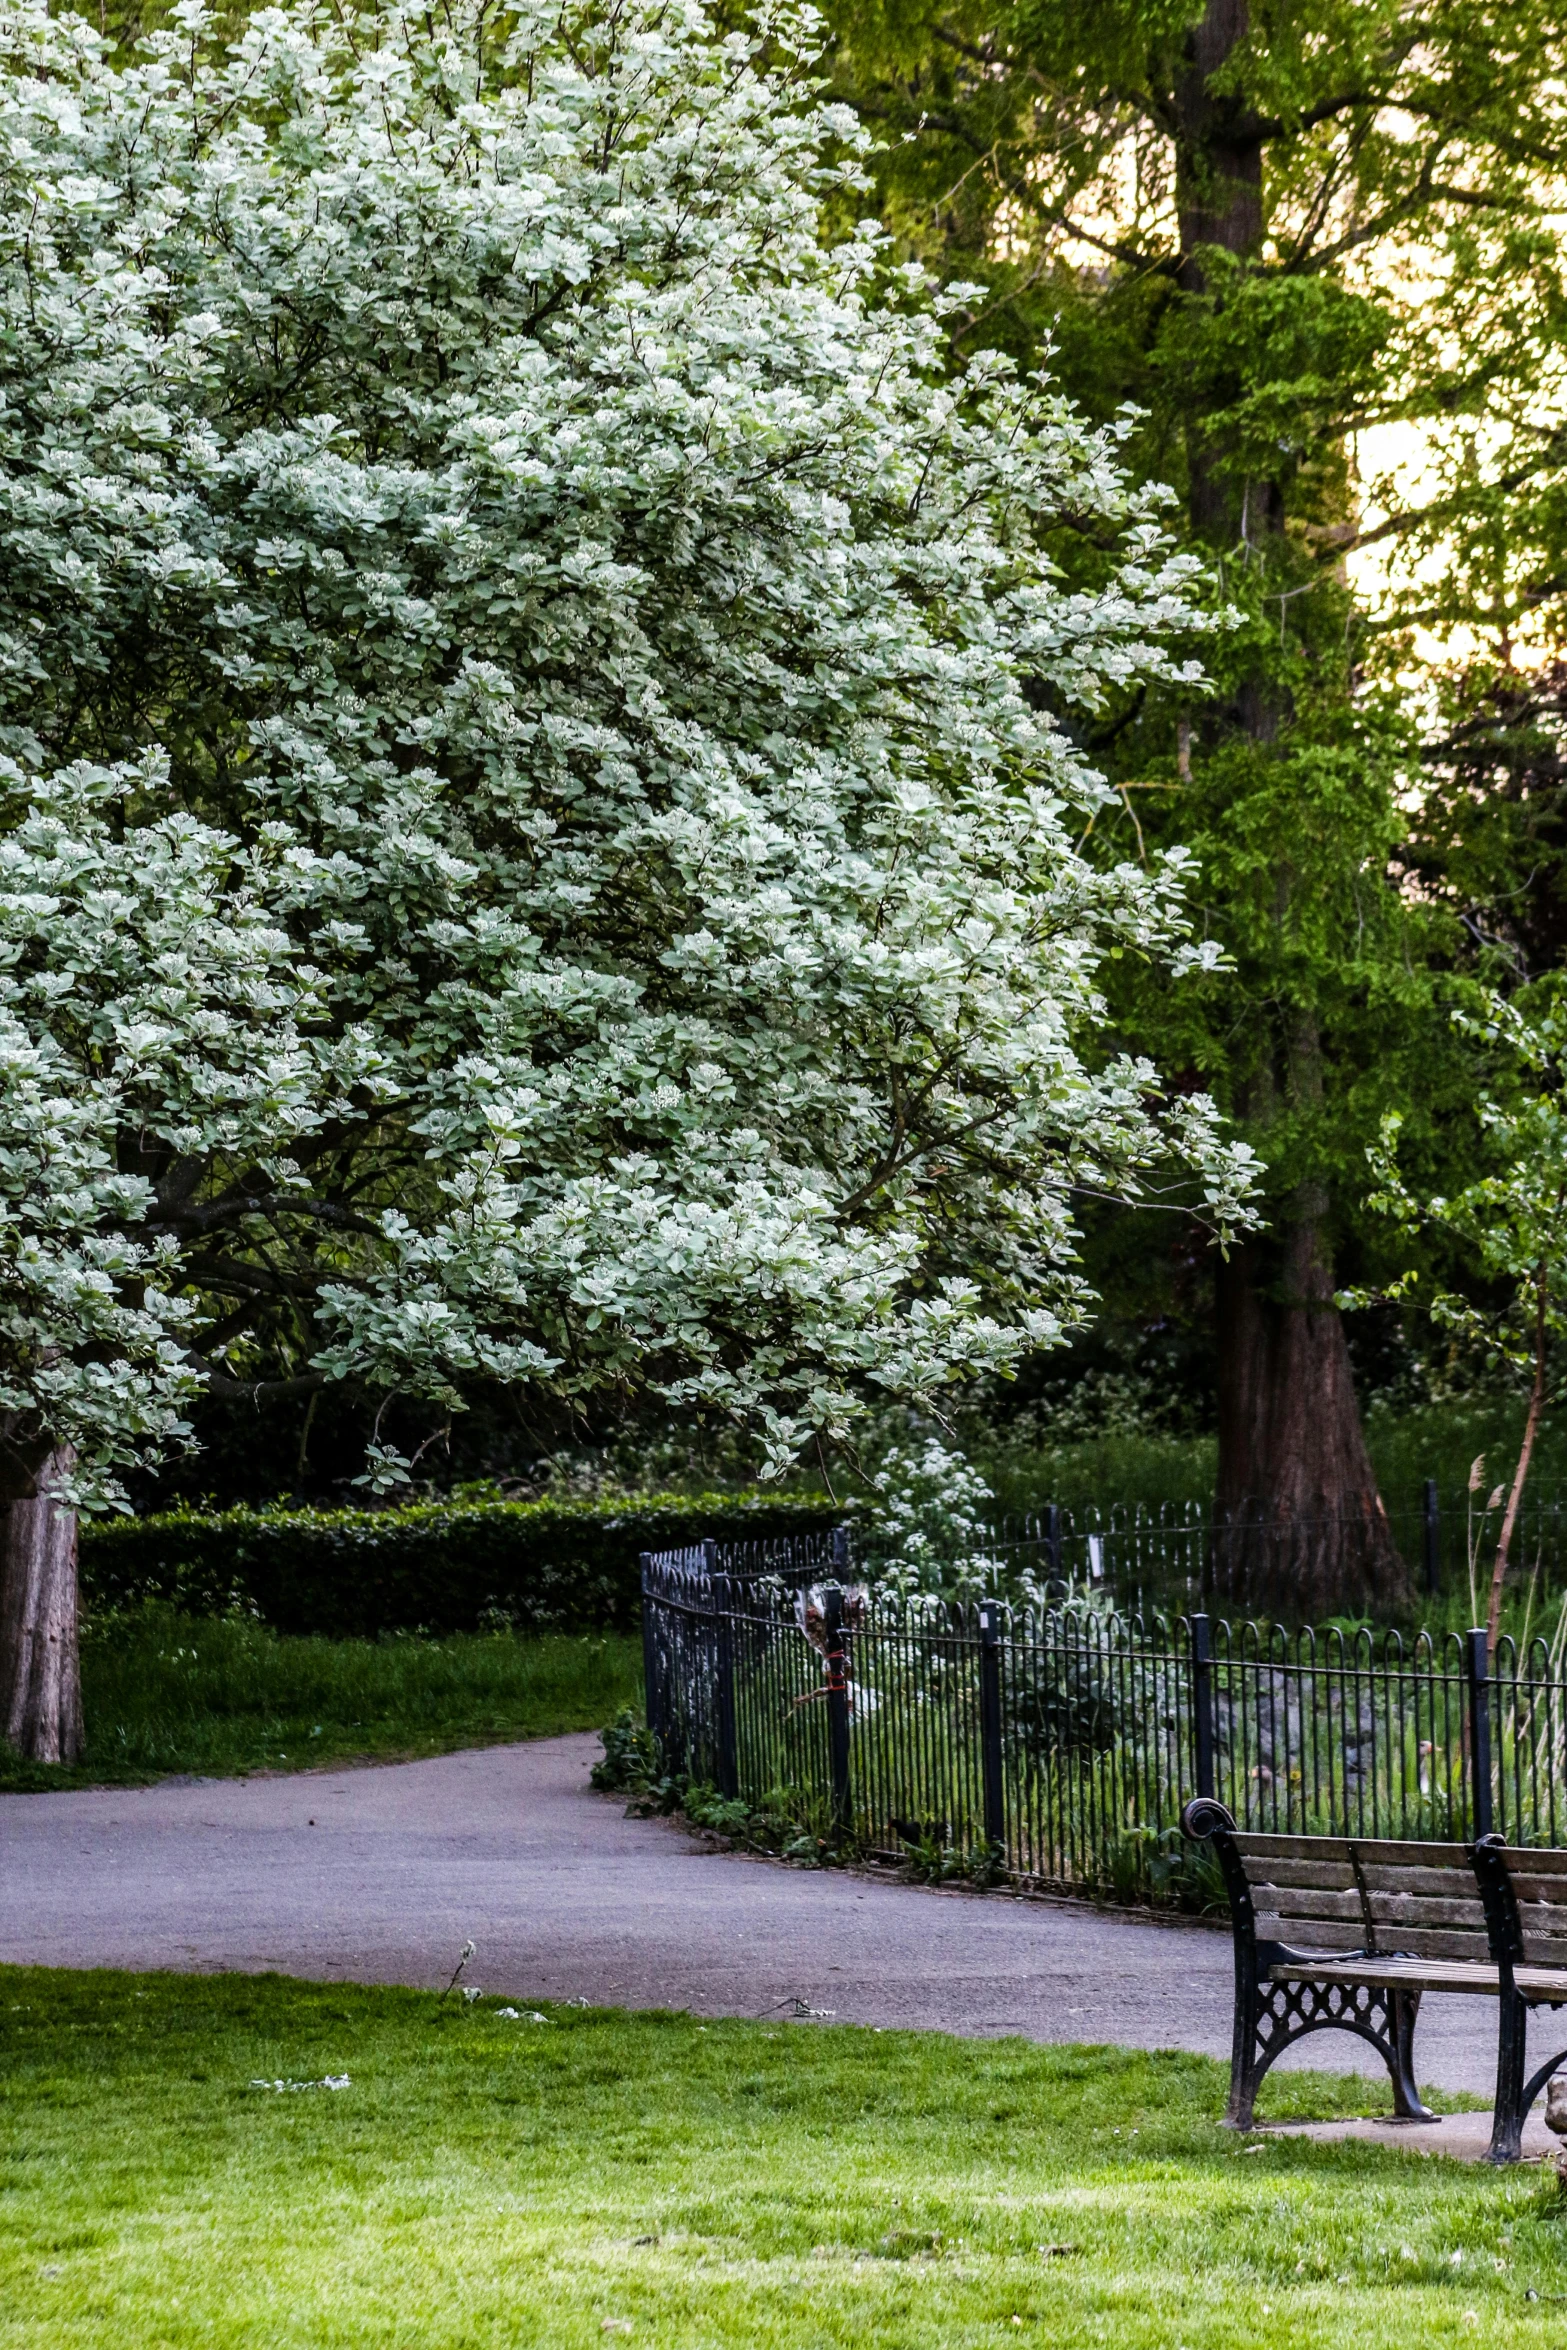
[(1509, 1224), (1274, 229)]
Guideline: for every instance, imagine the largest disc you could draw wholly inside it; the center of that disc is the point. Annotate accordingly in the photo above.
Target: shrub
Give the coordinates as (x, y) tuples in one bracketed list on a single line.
[(437, 1567), (630, 1757), (930, 1524), (786, 1821)]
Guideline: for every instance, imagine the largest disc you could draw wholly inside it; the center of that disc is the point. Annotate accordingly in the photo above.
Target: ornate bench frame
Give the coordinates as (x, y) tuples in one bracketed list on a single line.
[(1284, 1990)]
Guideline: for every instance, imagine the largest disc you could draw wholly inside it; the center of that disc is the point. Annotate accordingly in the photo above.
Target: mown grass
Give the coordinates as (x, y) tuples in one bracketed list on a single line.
[(163, 1692), (486, 2183)]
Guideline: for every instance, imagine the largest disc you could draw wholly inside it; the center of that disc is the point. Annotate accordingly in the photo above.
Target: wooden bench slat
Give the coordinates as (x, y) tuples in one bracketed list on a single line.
[(1542, 1984), (1534, 1860), (1314, 1933), (1386, 1908), (1386, 1853), (1437, 1942), (1304, 1902), (1334, 1934), (1418, 1974), (1334, 1875), (1416, 1910), (1549, 1892)]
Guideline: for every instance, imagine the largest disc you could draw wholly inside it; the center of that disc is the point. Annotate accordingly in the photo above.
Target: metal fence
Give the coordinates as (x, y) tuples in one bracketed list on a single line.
[(1185, 1554), (1060, 1743)]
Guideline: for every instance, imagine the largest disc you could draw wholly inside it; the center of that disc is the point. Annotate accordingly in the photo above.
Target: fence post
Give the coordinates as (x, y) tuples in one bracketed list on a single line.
[(725, 1775), (1202, 1702), (1477, 1674), (1053, 1539), (840, 1550), (1433, 1530), (652, 1693), (837, 1706), (726, 1757), (992, 1763)]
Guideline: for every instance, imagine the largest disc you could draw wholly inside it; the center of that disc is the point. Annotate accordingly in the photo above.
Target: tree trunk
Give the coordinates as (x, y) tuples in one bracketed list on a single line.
[(1218, 201), (40, 1672), (1302, 1529)]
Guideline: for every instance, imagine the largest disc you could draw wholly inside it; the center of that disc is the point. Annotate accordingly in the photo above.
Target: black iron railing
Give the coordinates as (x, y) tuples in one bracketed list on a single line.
[(1062, 1741), (1189, 1554)]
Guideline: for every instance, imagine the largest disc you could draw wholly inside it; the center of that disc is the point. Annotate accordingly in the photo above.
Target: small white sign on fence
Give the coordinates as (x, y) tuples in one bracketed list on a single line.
[(1096, 1558)]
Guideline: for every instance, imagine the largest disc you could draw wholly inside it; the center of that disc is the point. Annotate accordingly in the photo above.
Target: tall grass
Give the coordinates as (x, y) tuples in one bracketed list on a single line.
[(1099, 1470), (1439, 1440), (212, 1696)]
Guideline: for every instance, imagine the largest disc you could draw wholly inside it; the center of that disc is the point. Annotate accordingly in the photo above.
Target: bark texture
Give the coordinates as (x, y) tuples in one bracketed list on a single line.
[(40, 1670), (1301, 1527)]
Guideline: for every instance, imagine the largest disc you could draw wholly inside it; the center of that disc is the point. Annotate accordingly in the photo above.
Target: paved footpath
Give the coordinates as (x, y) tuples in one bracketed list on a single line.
[(380, 1875)]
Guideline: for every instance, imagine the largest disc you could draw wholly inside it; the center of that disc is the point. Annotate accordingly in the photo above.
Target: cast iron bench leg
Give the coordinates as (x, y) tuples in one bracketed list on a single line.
[(1514, 2094), (1270, 2018), (1245, 2071), (1404, 2007), (1511, 2043)]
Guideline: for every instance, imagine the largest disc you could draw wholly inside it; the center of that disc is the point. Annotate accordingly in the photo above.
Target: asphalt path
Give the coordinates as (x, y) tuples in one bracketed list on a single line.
[(380, 1875)]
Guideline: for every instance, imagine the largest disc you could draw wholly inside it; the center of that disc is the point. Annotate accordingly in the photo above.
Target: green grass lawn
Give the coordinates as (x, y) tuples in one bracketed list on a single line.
[(164, 1692), (484, 2181)]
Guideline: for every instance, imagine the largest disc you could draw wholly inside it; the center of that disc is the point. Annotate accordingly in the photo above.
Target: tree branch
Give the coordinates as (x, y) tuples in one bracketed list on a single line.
[(229, 1210)]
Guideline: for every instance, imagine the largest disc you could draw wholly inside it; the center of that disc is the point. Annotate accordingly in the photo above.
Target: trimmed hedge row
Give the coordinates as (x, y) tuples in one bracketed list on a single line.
[(438, 1566)]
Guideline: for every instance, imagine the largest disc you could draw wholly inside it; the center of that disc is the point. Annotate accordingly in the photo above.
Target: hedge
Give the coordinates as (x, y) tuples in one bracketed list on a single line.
[(436, 1566)]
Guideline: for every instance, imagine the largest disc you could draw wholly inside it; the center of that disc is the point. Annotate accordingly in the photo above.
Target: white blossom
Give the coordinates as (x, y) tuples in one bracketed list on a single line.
[(531, 845)]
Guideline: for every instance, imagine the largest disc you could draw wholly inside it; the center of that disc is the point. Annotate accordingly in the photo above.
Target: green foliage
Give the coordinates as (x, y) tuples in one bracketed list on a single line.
[(1352, 226), (445, 1566), (1161, 1866), (510, 2185), (1489, 836), (1124, 1467), (210, 1696), (630, 1757), (932, 1860), (1511, 1219), (1070, 1702), (926, 1527), (1127, 1469), (785, 1821)]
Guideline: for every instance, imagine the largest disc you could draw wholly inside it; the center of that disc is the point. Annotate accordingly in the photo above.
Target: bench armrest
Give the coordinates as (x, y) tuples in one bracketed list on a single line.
[(1503, 1929), (1206, 1820), (1205, 1816)]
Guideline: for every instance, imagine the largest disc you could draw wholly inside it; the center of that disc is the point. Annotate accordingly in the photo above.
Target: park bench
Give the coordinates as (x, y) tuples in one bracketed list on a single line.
[(1346, 1933)]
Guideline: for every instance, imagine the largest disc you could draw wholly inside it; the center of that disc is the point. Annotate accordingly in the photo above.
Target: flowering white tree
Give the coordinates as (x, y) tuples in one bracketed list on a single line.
[(531, 849)]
